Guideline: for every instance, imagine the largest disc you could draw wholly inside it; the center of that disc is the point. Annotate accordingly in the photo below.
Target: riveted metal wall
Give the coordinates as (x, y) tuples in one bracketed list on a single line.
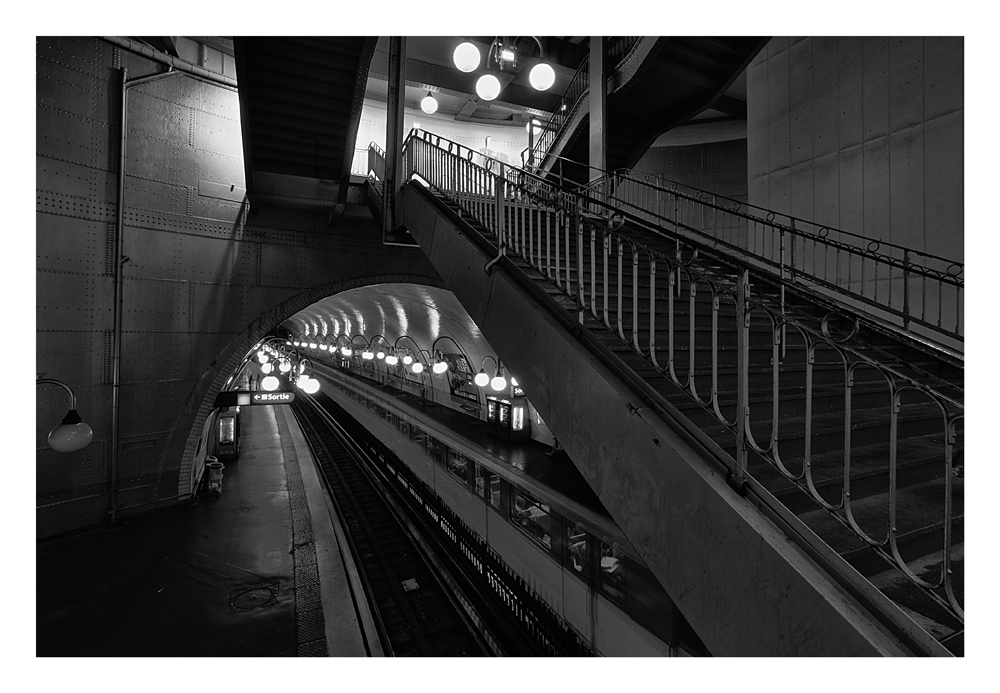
[(204, 278)]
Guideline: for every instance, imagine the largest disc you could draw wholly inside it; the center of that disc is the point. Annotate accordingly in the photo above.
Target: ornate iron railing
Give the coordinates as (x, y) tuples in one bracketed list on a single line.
[(905, 286), (645, 290)]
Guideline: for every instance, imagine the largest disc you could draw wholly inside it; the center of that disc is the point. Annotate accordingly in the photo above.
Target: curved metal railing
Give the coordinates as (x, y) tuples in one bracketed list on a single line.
[(903, 285), (575, 239)]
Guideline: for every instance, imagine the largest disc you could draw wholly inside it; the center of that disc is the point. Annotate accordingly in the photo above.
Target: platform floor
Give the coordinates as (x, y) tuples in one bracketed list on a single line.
[(256, 572)]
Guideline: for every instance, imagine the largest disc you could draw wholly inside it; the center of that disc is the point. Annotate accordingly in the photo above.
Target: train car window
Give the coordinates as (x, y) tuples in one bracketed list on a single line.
[(612, 572), (437, 450), (494, 484), (480, 481), (533, 517), (458, 465), (578, 555), (417, 436)]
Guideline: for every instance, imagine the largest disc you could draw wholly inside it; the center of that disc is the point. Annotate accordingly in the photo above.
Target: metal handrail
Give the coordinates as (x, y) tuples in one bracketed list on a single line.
[(907, 286), (572, 99), (531, 217)]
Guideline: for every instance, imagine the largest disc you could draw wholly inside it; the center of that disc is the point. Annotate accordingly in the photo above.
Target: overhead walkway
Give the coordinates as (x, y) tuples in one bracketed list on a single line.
[(784, 454), (655, 83)]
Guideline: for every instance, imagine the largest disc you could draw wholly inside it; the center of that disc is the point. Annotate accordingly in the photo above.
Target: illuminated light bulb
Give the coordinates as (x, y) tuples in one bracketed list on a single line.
[(284, 365), (266, 368), (262, 357), (407, 360), (312, 345), (380, 354), (440, 367), (428, 104), (498, 383), (535, 126), (270, 383), (367, 355), (542, 76), (513, 381), (506, 55), (311, 386), (488, 87), (417, 367), (392, 359), (71, 435), (481, 378), (466, 57), (346, 351), (322, 347)]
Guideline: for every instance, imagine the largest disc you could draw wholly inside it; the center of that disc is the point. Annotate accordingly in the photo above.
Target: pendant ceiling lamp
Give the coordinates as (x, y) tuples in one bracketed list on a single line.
[(466, 57), (542, 76), (428, 104), (488, 87)]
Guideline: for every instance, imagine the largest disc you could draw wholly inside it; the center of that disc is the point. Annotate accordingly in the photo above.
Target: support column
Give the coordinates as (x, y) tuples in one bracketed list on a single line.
[(598, 107), (393, 132)]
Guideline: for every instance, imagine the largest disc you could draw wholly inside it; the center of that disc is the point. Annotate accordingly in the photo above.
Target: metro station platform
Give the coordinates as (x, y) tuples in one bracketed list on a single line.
[(257, 571)]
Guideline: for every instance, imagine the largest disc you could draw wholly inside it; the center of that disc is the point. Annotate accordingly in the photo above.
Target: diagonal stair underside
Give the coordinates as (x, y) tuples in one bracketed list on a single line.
[(662, 83)]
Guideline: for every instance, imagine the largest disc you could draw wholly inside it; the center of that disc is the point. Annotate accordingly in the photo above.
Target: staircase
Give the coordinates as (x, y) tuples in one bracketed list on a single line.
[(841, 427), (655, 83)]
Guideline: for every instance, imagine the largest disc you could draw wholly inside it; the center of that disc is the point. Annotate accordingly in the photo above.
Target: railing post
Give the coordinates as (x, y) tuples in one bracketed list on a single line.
[(742, 375), (906, 289), (579, 258), (781, 260)]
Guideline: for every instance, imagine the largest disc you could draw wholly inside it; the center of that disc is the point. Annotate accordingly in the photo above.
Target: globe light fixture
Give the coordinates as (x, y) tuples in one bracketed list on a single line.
[(391, 359), (72, 434), (266, 368), (513, 381), (284, 365), (367, 354), (534, 127), (466, 57), (417, 367), (407, 360), (312, 345), (428, 104), (346, 350), (499, 382), (440, 365), (270, 383), (542, 76), (481, 378), (488, 87)]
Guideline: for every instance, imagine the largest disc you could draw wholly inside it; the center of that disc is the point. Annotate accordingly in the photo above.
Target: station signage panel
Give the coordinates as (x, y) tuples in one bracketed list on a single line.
[(272, 398), (243, 398)]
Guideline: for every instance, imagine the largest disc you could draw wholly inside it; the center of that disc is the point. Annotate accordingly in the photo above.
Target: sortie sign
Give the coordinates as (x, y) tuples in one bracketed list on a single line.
[(272, 397)]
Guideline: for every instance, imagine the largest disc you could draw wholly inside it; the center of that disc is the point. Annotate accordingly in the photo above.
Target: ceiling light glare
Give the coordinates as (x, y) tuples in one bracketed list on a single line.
[(466, 57), (488, 87), (542, 76), (428, 104)]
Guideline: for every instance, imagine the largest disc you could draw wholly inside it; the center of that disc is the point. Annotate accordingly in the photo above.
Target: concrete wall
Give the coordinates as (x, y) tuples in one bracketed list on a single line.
[(864, 134), (717, 167), (200, 284)]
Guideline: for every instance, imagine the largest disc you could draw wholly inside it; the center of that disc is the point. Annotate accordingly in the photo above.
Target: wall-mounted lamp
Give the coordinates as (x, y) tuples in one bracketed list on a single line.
[(72, 434)]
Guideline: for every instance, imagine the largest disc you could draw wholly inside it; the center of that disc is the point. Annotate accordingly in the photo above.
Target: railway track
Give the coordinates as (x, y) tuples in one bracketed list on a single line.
[(414, 610)]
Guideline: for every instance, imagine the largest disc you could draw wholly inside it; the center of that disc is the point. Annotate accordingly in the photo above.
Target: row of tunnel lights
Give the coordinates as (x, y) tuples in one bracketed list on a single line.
[(440, 365), (272, 360)]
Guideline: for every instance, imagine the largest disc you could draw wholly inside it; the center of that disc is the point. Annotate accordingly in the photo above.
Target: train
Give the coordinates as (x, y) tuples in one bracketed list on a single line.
[(560, 541)]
